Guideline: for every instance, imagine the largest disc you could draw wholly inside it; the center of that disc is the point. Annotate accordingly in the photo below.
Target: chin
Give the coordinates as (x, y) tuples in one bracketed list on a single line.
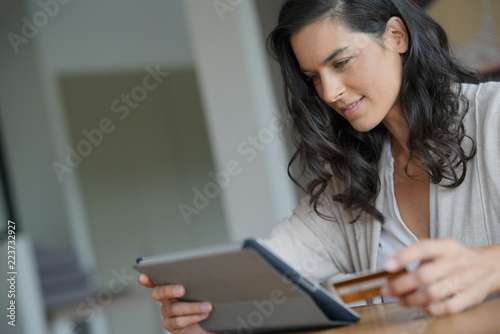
[(362, 126)]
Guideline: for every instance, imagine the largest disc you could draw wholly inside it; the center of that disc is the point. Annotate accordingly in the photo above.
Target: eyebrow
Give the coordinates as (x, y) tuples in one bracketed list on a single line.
[(332, 55)]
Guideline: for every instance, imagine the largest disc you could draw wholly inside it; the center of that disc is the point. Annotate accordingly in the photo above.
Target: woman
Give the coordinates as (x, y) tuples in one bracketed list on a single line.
[(393, 132)]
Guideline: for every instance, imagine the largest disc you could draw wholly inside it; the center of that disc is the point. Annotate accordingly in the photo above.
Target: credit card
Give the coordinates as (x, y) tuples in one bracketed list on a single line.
[(364, 287)]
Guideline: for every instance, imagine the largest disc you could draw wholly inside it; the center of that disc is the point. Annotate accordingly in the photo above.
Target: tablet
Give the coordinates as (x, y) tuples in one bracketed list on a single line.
[(251, 288)]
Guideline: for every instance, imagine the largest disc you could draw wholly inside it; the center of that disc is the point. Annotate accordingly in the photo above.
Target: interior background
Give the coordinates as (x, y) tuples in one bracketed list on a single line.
[(60, 74)]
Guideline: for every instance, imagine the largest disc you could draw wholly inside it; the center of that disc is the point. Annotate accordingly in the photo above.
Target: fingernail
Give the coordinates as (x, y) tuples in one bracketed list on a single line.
[(391, 265), (206, 307), (178, 291)]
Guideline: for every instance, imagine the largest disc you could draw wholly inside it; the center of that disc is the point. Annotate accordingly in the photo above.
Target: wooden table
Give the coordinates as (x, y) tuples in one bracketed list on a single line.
[(395, 319)]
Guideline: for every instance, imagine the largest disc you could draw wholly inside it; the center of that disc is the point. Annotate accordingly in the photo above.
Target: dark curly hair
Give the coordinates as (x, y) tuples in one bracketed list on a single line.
[(326, 143)]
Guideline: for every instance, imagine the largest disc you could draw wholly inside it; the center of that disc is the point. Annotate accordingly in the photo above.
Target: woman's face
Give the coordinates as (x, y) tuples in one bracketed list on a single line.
[(352, 73)]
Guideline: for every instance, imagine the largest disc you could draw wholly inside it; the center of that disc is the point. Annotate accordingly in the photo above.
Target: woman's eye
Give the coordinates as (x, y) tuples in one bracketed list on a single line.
[(341, 63), (313, 77)]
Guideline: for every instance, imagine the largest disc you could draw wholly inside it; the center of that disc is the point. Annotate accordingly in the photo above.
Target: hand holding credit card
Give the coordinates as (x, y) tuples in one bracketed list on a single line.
[(364, 287)]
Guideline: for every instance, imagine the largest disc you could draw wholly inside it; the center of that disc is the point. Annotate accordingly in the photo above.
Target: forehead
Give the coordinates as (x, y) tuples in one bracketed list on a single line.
[(319, 39), (320, 29)]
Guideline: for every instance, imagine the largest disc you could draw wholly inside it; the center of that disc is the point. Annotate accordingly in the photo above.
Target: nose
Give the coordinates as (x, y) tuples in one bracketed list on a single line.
[(333, 88)]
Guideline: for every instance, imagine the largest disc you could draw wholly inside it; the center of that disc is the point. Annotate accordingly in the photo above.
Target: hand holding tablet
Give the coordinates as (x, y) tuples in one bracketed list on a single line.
[(250, 288)]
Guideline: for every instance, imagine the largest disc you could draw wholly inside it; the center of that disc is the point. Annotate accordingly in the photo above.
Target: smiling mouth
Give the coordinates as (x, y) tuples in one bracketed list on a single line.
[(351, 109)]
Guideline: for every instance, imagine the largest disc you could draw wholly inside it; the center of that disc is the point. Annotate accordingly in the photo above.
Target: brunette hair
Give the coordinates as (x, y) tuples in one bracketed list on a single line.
[(327, 145)]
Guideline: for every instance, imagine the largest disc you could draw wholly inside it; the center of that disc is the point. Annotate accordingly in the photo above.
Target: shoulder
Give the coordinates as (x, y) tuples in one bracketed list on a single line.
[(306, 232), (484, 88), (482, 96), (483, 105), (482, 121)]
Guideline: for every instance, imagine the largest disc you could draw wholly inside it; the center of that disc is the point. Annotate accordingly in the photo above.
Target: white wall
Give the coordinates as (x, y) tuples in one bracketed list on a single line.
[(28, 138), (81, 36), (93, 36), (98, 35), (242, 114)]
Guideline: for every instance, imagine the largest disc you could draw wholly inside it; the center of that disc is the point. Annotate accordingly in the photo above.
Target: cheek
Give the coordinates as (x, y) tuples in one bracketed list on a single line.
[(386, 78)]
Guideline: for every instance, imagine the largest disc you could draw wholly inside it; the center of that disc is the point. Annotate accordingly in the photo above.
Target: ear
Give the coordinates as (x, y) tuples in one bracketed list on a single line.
[(396, 36)]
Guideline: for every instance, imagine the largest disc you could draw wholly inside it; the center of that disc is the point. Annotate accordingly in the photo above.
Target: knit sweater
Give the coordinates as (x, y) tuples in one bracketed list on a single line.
[(469, 213)]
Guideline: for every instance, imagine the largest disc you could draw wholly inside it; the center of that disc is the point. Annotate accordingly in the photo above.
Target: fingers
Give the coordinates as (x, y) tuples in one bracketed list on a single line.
[(420, 251), (436, 279), (177, 309), (455, 304), (180, 315), (450, 278), (449, 295), (145, 281), (187, 324), (438, 291), (164, 293), (423, 275)]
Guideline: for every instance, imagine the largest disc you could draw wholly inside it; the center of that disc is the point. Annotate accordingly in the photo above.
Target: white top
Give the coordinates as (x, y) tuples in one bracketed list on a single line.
[(395, 235)]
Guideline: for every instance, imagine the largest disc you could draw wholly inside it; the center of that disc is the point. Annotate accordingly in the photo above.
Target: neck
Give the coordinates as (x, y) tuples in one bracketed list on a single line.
[(398, 128)]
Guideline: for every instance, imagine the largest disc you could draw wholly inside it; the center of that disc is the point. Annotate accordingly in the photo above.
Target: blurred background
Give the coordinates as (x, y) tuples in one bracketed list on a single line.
[(134, 128)]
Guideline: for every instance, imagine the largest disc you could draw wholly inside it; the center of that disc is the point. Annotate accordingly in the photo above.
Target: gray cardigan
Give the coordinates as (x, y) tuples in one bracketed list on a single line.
[(470, 213)]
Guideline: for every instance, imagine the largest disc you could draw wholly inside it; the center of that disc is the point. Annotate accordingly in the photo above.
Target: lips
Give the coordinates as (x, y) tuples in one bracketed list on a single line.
[(352, 108)]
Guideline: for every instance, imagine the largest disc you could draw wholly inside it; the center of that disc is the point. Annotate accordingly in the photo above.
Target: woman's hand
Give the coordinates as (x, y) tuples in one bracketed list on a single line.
[(178, 317), (450, 278)]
